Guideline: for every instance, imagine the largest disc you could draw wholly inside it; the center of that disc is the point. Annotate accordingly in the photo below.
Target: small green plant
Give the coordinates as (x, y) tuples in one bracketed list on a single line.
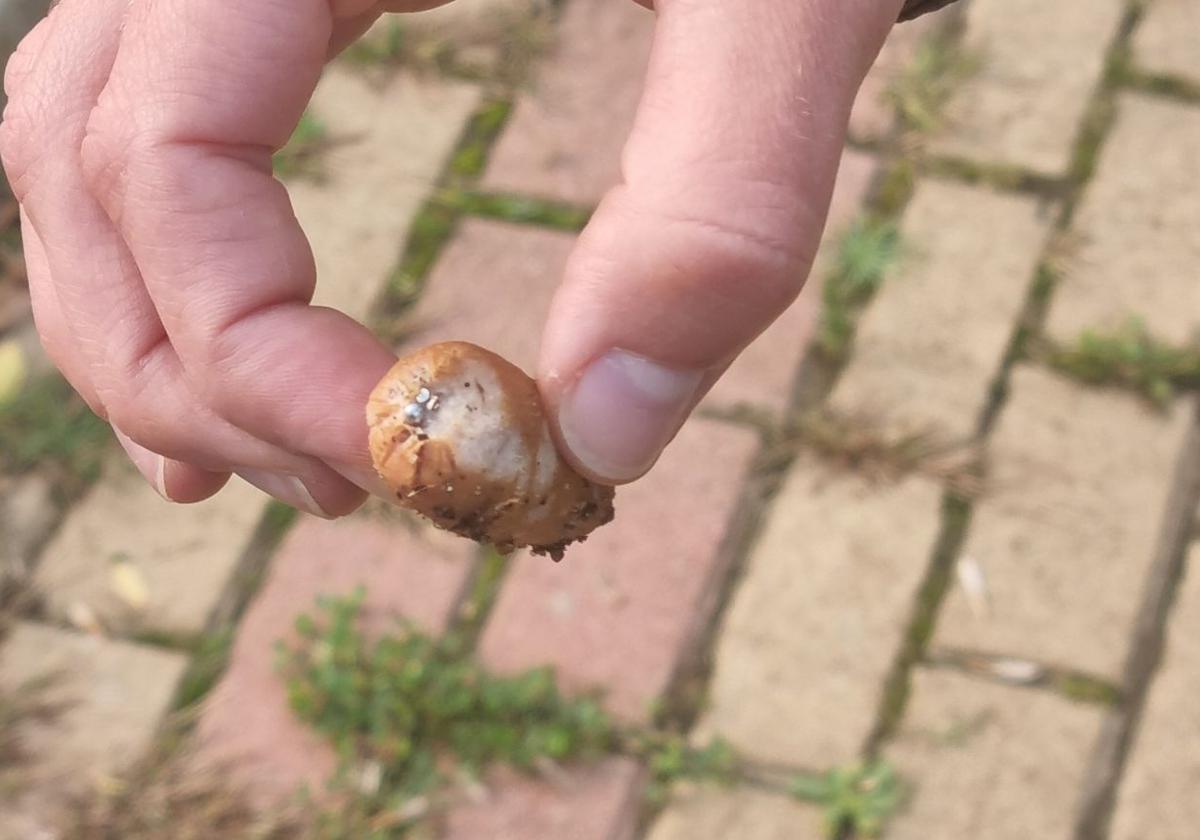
[(859, 798), (922, 90), (415, 714), (670, 759), (301, 157), (1132, 358), (47, 426), (863, 256)]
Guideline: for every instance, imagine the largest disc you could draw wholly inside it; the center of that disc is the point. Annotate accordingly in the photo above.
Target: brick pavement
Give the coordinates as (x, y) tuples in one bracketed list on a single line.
[(819, 617)]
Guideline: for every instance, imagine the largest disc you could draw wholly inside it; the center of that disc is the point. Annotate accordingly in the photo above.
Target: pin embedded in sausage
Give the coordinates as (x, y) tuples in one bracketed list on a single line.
[(460, 436)]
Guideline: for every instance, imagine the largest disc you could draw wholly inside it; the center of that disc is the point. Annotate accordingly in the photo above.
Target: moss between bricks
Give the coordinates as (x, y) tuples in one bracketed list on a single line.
[(956, 518), (1003, 177), (520, 209), (1130, 358)]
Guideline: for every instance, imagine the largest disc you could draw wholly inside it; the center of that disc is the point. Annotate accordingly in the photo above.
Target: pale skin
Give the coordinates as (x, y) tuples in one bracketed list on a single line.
[(171, 282)]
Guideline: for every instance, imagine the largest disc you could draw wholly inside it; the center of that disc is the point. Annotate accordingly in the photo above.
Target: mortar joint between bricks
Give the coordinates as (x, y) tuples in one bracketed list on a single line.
[(957, 510), (1147, 648), (1070, 683)]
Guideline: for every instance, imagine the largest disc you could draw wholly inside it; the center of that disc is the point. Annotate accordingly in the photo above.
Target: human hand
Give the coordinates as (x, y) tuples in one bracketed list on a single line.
[(171, 283)]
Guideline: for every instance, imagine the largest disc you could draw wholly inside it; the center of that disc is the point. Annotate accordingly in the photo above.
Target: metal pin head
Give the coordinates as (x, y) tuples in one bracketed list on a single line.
[(414, 412)]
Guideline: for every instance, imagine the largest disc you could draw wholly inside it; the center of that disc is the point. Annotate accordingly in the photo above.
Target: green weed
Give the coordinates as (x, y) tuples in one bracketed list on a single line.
[(859, 798), (1131, 358), (415, 714), (863, 256)]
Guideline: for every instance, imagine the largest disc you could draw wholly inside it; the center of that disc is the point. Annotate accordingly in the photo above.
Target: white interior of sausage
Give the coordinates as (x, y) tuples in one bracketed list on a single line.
[(470, 415)]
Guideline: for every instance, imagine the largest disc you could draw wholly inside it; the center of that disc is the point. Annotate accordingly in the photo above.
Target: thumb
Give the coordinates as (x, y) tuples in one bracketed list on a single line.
[(727, 179)]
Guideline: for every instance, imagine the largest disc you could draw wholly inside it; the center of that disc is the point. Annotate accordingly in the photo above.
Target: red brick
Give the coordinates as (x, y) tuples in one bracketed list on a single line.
[(566, 135), (623, 609), (763, 374), (599, 802), (493, 287), (406, 570)]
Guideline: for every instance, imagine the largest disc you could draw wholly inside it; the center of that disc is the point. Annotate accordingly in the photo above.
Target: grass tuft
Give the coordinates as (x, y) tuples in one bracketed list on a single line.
[(1129, 358), (923, 89), (857, 799), (864, 255)]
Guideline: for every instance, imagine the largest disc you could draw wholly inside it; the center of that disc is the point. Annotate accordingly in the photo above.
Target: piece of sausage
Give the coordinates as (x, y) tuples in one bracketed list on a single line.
[(460, 436)]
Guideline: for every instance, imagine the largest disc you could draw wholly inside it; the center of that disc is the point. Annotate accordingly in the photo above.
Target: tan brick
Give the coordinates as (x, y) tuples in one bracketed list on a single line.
[(1159, 797), (111, 697), (1065, 533), (566, 135), (392, 142), (1040, 63), (707, 813), (817, 619), (181, 555), (1139, 224), (27, 516), (1165, 41), (933, 337), (990, 762)]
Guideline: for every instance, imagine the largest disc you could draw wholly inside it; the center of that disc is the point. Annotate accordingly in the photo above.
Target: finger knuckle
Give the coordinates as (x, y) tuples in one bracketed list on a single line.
[(740, 260), (20, 63), (107, 148), (19, 150)]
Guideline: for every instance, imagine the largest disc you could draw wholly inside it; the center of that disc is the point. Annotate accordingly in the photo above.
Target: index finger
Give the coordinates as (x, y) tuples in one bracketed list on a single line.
[(178, 151)]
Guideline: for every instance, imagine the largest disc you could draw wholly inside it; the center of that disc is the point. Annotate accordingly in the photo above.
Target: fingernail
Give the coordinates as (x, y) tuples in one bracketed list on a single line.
[(286, 488), (151, 465), (623, 411)]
